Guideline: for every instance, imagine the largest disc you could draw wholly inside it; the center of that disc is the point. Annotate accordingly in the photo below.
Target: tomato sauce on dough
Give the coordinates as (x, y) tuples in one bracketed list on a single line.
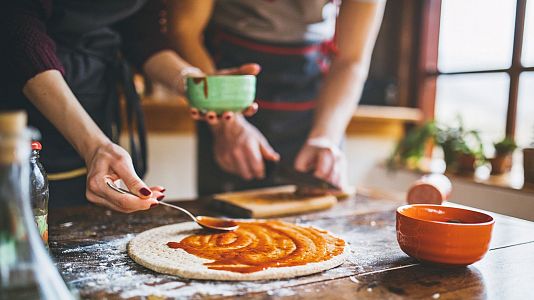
[(256, 246)]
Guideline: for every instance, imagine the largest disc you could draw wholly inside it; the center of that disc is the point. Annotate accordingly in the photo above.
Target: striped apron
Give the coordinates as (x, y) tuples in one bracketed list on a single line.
[(286, 91)]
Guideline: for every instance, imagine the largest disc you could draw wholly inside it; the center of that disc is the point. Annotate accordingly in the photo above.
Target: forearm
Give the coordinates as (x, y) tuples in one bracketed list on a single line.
[(167, 68), (49, 92), (356, 30), (193, 51), (338, 99), (187, 21)]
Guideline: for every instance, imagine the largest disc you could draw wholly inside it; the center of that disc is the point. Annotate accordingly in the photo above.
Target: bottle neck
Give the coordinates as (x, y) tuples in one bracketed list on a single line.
[(34, 155)]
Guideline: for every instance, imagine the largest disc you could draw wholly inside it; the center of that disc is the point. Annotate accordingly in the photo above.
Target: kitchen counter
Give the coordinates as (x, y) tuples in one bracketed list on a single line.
[(169, 115), (89, 246)]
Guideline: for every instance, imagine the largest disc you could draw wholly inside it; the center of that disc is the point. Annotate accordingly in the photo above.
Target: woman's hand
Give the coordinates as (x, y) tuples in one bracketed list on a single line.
[(240, 148), (325, 159), (49, 92), (111, 162), (211, 117)]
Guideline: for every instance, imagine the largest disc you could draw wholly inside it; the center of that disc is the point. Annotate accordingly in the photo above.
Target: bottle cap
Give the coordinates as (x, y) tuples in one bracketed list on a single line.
[(36, 145), (12, 122), (12, 127)]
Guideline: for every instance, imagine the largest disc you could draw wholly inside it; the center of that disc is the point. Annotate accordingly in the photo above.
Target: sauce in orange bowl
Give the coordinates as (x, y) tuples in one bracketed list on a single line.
[(442, 234)]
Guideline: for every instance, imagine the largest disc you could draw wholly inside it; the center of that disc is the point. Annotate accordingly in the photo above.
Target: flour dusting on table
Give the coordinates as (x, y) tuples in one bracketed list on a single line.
[(105, 268), (113, 271)]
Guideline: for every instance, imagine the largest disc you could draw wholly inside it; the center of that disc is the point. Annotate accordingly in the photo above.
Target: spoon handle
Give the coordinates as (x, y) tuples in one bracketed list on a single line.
[(180, 209), (125, 191)]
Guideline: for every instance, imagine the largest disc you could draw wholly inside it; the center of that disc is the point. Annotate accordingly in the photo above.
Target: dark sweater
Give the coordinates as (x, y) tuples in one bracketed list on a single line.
[(28, 47)]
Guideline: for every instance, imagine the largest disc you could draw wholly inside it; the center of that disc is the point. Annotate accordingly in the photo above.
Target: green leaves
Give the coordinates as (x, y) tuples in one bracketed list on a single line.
[(453, 140), (507, 145)]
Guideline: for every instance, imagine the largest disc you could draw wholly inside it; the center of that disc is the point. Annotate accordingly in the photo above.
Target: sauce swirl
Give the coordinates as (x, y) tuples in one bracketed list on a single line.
[(256, 246)]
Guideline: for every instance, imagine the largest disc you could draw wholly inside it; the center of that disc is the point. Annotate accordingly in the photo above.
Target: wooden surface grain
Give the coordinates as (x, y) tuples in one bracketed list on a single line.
[(89, 246)]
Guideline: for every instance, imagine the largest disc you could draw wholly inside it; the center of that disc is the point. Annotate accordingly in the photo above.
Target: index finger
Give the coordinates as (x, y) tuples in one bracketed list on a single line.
[(124, 202)]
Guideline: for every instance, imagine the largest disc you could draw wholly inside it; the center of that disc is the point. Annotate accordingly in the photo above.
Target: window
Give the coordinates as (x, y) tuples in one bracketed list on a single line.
[(528, 42), (478, 63), (479, 99), (476, 35)]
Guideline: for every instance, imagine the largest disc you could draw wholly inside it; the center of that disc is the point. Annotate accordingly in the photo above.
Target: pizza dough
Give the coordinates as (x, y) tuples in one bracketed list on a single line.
[(281, 246)]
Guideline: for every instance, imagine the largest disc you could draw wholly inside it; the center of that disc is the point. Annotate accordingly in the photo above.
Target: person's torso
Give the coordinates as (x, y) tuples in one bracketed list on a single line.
[(88, 48), (74, 18), (278, 20)]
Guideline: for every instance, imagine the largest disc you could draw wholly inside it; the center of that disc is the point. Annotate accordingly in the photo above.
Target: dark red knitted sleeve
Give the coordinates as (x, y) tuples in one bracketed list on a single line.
[(143, 33), (27, 48)]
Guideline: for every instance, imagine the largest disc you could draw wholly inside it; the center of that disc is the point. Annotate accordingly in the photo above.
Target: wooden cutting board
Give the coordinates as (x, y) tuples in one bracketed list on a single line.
[(270, 202)]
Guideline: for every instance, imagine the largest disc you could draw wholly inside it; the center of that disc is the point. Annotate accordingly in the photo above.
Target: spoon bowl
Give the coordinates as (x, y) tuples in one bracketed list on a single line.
[(204, 221), (216, 223)]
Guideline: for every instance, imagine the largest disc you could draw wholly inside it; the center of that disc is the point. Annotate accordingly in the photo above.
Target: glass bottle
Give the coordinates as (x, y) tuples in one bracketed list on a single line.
[(26, 270), (39, 192)]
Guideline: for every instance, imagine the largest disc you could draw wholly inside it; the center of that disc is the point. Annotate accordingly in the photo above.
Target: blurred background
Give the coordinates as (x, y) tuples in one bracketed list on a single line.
[(434, 59)]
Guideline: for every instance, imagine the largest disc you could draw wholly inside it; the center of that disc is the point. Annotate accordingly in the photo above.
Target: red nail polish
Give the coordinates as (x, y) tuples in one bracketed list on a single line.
[(153, 204), (211, 117), (144, 191), (160, 197), (227, 117), (163, 190)]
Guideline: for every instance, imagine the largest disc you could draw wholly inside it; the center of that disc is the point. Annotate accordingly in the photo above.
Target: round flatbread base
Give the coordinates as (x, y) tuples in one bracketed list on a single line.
[(150, 250)]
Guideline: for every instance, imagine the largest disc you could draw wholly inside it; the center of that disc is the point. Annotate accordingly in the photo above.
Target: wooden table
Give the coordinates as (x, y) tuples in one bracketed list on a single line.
[(89, 245)]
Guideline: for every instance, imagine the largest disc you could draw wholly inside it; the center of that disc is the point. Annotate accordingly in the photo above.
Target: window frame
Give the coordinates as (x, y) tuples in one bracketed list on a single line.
[(427, 70)]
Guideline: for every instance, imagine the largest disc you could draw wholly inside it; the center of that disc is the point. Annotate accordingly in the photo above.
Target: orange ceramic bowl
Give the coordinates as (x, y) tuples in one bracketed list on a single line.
[(442, 234)]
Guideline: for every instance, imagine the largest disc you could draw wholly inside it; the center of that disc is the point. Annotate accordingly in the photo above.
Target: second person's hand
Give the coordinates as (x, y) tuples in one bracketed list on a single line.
[(324, 159), (240, 148)]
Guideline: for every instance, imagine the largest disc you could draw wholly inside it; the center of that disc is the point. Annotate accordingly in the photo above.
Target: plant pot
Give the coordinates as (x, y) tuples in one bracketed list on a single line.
[(465, 163), (500, 164), (528, 165)]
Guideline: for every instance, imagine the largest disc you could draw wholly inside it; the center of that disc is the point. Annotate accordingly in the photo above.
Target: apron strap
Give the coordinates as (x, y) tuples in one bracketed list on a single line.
[(135, 120)]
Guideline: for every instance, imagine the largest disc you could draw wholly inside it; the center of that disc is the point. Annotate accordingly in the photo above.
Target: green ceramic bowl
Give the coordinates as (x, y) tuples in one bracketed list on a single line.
[(220, 93)]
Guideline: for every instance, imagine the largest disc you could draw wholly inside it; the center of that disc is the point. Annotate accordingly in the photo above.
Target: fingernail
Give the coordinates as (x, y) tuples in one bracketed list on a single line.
[(211, 117), (163, 190), (160, 197), (227, 117), (153, 204), (145, 191)]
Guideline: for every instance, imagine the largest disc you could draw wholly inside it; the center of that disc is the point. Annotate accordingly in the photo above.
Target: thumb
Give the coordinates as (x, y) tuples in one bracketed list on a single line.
[(249, 69), (246, 69), (303, 161), (267, 152)]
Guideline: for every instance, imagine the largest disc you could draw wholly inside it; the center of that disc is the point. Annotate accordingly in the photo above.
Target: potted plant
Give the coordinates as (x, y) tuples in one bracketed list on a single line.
[(462, 149), (502, 162), (528, 163), (411, 149)]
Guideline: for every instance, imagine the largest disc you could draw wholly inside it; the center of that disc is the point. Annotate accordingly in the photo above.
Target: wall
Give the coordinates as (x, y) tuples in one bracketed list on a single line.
[(171, 163)]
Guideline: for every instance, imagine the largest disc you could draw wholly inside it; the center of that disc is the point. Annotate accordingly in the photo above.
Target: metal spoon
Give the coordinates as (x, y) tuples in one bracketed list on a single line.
[(203, 221)]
